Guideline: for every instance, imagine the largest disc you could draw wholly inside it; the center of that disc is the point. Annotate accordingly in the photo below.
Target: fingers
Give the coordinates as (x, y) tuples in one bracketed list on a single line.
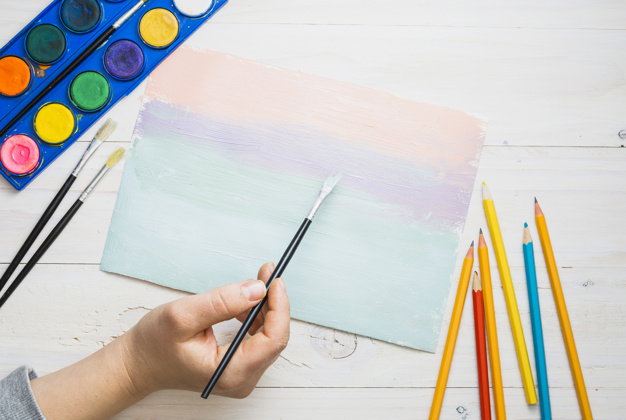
[(265, 272), (264, 346), (193, 314)]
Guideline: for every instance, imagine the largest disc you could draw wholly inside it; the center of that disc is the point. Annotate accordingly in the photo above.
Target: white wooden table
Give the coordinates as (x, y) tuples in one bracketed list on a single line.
[(550, 76)]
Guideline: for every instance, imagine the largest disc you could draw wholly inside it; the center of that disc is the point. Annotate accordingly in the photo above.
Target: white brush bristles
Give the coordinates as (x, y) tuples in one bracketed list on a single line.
[(327, 188), (329, 184), (106, 130)]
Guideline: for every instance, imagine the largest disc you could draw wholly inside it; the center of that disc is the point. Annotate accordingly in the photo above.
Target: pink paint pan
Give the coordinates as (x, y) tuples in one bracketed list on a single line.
[(19, 155)]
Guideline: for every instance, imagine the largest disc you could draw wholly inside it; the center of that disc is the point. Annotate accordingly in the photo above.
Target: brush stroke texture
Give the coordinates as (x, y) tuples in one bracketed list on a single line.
[(224, 168)]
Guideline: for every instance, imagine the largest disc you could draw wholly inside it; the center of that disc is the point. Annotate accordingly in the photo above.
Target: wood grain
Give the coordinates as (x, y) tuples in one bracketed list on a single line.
[(549, 76)]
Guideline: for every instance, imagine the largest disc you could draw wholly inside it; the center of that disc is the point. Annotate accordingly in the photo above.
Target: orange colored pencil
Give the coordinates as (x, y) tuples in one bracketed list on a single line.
[(566, 326), (481, 349), (492, 332), (455, 321)]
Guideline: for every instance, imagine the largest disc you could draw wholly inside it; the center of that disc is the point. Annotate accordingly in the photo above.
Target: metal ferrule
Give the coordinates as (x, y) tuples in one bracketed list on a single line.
[(93, 184), (93, 146), (318, 202), (128, 14)]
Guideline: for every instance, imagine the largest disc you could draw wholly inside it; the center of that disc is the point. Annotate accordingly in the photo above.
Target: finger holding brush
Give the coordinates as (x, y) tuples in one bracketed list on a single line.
[(103, 133), (113, 159), (326, 189)]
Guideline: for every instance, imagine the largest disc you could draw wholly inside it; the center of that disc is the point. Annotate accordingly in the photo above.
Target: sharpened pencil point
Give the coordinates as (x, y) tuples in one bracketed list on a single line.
[(486, 193), (476, 285), (527, 238), (480, 231), (535, 200), (481, 241), (470, 251)]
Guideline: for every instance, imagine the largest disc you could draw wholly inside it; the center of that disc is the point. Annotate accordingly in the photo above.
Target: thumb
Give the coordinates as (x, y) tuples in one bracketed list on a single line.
[(220, 304)]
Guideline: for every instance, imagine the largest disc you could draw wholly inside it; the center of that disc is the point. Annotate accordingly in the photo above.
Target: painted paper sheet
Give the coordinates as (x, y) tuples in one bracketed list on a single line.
[(228, 156)]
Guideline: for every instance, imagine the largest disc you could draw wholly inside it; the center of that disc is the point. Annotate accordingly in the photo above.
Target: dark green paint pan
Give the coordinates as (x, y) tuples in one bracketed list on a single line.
[(45, 43)]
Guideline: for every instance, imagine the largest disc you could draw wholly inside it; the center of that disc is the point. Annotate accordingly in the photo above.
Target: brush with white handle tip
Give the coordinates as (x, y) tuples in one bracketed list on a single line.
[(115, 157), (328, 186)]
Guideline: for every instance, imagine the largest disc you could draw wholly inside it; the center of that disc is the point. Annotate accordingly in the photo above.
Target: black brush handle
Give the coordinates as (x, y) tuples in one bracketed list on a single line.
[(278, 271), (41, 250), (36, 230), (72, 66)]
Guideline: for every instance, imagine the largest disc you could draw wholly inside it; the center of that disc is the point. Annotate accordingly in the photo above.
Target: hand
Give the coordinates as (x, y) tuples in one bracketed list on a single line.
[(174, 347)]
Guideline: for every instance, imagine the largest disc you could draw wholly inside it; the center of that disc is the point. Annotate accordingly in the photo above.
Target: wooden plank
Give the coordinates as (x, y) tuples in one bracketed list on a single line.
[(546, 74), (62, 313), (536, 87), (542, 87), (479, 13), (581, 190), (582, 14), (371, 403)]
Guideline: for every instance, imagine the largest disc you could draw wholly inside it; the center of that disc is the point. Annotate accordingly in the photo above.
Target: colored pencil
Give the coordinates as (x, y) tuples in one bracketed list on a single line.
[(101, 40), (103, 133), (453, 330), (115, 157), (481, 349), (535, 320), (326, 189), (492, 332), (561, 308), (509, 296)]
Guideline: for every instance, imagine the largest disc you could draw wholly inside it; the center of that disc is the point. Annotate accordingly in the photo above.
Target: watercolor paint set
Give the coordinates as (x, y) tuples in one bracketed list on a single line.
[(74, 62)]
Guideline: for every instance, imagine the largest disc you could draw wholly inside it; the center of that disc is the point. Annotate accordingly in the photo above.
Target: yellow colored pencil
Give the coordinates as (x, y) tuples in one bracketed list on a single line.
[(509, 296), (492, 332), (455, 321), (566, 327)]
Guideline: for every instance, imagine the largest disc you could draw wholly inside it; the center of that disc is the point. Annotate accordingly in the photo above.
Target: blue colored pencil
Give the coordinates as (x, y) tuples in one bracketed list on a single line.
[(535, 320)]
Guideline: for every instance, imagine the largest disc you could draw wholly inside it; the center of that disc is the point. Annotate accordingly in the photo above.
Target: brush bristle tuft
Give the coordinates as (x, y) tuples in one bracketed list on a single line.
[(115, 157), (330, 183), (106, 130)]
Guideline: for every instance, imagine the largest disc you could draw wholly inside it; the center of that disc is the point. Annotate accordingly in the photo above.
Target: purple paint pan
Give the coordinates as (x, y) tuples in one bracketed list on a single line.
[(124, 59)]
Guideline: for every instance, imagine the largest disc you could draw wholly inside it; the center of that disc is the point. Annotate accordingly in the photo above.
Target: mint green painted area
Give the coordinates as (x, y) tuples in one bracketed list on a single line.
[(190, 218)]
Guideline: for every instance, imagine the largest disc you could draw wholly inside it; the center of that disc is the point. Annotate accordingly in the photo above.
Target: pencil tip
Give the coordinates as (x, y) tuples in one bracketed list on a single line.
[(526, 237), (480, 231), (470, 251), (535, 200), (486, 193), (476, 285), (538, 211)]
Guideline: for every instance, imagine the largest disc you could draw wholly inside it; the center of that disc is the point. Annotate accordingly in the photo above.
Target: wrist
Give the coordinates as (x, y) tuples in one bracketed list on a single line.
[(134, 371)]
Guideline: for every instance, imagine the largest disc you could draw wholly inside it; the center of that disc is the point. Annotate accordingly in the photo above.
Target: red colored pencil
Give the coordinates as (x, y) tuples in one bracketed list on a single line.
[(481, 349)]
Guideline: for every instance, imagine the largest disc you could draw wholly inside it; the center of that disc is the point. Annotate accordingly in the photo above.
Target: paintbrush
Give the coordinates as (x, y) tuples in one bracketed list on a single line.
[(73, 65), (113, 159), (328, 186), (103, 133)]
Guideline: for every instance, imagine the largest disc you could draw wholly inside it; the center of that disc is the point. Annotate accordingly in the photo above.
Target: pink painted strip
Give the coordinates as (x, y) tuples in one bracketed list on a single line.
[(440, 138)]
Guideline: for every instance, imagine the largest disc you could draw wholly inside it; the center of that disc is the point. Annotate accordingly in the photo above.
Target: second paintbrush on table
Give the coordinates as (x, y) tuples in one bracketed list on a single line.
[(115, 157)]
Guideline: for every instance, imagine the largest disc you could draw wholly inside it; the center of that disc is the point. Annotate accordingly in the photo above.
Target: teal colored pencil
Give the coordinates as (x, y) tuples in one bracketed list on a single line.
[(535, 320)]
